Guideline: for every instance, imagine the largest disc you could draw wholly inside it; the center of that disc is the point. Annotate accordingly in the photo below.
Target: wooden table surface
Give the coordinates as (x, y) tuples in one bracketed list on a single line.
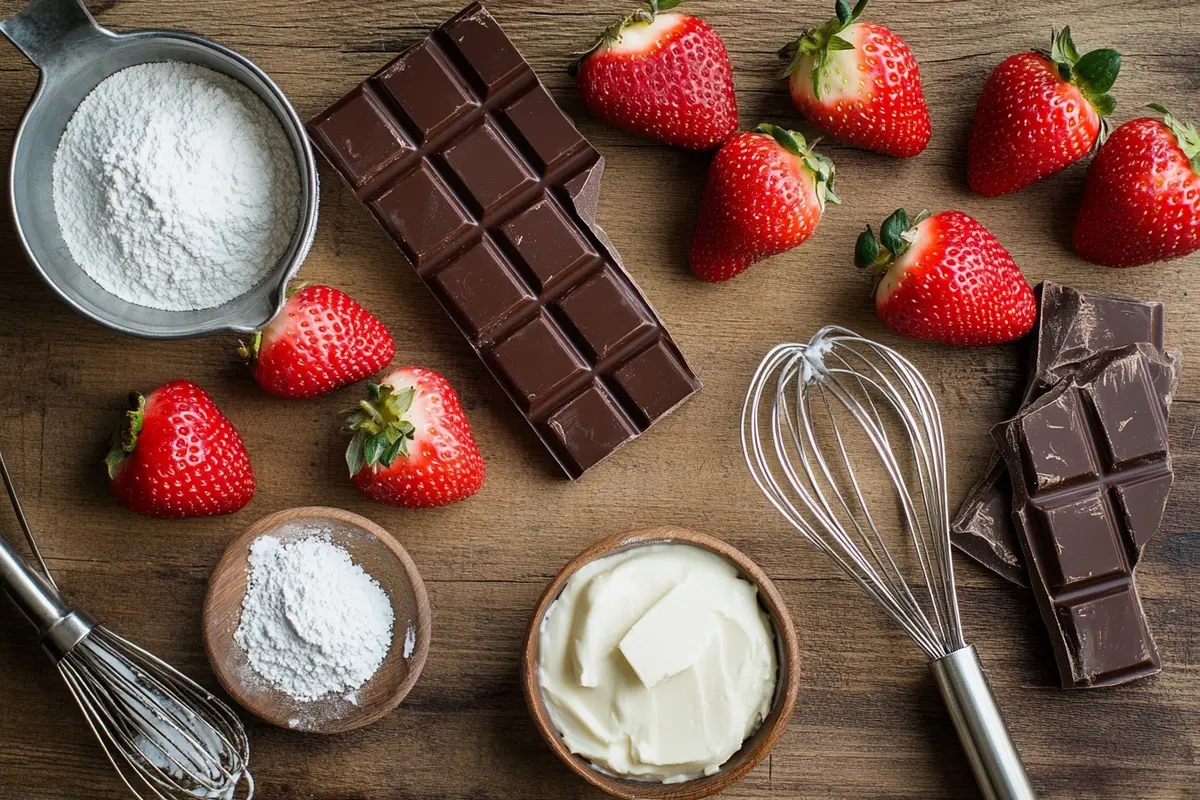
[(868, 723)]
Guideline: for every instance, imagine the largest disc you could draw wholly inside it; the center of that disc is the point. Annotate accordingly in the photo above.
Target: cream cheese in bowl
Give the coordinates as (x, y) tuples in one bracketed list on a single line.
[(657, 662)]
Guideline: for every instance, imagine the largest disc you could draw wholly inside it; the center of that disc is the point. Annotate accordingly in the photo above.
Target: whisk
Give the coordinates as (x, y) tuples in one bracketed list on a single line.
[(167, 737), (811, 412)]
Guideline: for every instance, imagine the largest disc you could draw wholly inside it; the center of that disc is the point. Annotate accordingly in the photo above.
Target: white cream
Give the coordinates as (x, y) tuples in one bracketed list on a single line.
[(657, 662)]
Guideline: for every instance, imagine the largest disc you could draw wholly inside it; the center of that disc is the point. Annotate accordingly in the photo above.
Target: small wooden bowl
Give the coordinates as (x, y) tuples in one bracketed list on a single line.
[(753, 749), (381, 557)]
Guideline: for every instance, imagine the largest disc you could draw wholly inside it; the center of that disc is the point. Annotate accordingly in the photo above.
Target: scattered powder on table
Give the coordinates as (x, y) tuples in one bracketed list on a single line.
[(313, 622), (175, 186)]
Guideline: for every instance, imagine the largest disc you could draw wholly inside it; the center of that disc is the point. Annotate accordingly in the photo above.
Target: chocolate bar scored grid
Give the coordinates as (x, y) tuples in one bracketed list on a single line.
[(467, 162), (1095, 473)]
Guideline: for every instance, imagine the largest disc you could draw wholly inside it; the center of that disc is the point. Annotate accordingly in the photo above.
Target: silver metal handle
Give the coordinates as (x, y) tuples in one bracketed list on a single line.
[(35, 594), (981, 729), (46, 29)]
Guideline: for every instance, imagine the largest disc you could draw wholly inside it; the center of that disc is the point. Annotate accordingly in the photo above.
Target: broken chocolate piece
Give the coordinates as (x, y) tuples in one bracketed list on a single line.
[(1073, 326), (1091, 472), (490, 192)]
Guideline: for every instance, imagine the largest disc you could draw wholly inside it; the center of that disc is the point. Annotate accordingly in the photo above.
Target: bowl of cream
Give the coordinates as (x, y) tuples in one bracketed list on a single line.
[(661, 663)]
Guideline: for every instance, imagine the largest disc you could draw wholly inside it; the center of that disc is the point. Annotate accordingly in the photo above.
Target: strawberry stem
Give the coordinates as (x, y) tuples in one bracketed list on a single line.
[(1185, 134), (612, 34), (817, 163), (124, 438), (820, 42), (1094, 72)]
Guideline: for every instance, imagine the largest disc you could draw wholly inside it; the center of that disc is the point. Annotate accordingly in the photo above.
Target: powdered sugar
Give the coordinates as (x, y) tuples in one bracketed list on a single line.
[(314, 624), (175, 186)]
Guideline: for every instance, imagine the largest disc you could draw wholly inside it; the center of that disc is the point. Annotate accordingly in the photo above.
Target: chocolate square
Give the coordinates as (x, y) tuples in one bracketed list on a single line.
[(604, 313), (490, 57), (360, 135), (547, 243), (537, 360), (655, 381), (426, 91), (487, 167), (544, 128), (1091, 550), (589, 427), (1131, 414), (420, 213), (482, 290), (1109, 637), (1056, 449)]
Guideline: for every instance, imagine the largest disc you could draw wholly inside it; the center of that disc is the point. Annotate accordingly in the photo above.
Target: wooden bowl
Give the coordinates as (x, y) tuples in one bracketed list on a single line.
[(381, 557), (753, 749)]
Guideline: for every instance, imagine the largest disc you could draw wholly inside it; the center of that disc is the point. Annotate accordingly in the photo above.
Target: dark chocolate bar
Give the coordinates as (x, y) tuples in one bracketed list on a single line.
[(490, 192), (1091, 472), (1073, 326)]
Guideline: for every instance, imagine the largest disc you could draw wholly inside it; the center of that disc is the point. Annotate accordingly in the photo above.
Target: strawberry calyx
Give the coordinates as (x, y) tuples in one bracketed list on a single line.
[(1094, 73), (612, 34), (820, 42), (1185, 134), (249, 352), (817, 163), (381, 432), (124, 438), (896, 235)]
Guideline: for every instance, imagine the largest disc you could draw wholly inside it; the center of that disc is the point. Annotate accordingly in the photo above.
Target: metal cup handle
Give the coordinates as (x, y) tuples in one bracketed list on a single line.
[(46, 30)]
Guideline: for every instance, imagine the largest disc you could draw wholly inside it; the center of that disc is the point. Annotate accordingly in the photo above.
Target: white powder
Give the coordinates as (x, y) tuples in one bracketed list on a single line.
[(175, 186), (313, 622)]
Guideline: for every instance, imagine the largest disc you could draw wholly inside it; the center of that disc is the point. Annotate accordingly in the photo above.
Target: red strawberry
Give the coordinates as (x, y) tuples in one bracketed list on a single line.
[(176, 455), (665, 76), (1141, 202), (765, 193), (1039, 114), (947, 279), (319, 341), (859, 82), (412, 445)]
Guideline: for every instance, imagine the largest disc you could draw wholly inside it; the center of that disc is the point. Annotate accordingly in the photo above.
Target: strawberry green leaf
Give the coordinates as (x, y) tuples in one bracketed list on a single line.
[(891, 230), (373, 390), (838, 43), (1186, 135), (859, 8), (1096, 72), (663, 5), (789, 140), (390, 454), (374, 448), (1062, 47), (844, 14), (1105, 104), (402, 401), (866, 249), (354, 454)]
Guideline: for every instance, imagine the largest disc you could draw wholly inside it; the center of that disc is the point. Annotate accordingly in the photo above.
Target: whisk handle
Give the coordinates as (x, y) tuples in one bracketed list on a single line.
[(60, 626), (998, 768)]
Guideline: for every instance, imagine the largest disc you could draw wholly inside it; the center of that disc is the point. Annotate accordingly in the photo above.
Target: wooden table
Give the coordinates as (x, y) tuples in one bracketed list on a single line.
[(868, 724)]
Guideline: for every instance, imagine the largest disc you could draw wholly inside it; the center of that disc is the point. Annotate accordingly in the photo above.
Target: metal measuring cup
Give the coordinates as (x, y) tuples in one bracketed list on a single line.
[(74, 54)]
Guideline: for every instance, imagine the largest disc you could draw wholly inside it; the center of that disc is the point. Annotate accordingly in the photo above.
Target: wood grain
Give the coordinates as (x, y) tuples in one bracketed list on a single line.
[(869, 724), (753, 750), (384, 559)]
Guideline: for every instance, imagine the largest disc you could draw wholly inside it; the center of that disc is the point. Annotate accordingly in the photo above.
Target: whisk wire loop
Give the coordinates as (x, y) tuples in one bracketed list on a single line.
[(810, 396)]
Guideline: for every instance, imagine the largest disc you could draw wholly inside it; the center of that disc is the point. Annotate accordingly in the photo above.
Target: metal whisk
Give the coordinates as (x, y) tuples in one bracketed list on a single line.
[(814, 414), (167, 737)]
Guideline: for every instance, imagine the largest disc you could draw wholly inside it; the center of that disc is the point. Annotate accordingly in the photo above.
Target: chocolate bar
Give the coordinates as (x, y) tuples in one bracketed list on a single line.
[(1091, 473), (1073, 326), (490, 193)]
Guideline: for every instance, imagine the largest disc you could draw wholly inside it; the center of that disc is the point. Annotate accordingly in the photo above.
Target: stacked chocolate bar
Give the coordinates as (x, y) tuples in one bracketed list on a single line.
[(1080, 480)]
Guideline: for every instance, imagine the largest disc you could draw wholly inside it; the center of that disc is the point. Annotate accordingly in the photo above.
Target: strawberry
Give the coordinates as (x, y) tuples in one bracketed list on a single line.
[(765, 193), (176, 455), (662, 75), (1141, 202), (947, 279), (412, 445), (319, 341), (859, 82), (1038, 114)]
